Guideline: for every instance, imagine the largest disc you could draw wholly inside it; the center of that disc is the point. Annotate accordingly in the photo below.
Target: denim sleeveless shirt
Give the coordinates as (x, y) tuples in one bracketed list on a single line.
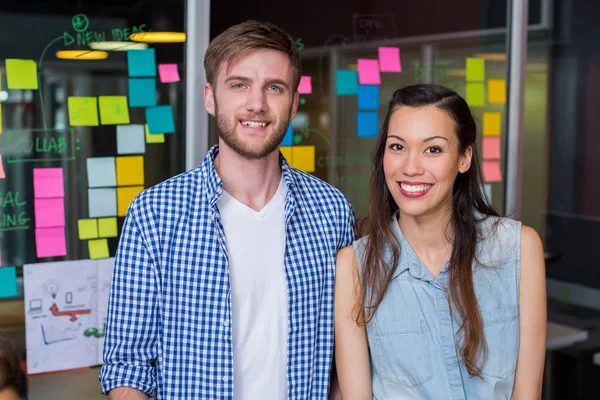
[(412, 334)]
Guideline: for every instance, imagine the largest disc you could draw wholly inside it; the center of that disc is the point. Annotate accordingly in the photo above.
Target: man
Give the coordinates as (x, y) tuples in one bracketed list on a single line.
[(224, 276)]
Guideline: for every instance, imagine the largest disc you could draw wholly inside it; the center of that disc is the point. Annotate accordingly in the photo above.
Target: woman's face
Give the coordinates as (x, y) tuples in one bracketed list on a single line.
[(422, 159)]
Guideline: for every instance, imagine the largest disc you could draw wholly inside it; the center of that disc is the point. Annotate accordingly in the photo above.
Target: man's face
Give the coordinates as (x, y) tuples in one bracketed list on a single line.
[(253, 100)]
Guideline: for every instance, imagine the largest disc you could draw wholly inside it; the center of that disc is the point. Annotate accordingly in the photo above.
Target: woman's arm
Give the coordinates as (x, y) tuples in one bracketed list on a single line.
[(351, 346), (532, 318)]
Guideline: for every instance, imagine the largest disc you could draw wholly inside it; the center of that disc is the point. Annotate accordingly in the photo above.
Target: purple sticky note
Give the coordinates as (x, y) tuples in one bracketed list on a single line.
[(168, 73), (389, 59), (368, 72), (50, 242), (48, 182), (305, 86), (49, 213)]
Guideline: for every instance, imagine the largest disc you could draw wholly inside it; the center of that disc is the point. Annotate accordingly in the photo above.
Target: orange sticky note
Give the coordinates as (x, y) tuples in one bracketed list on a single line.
[(491, 148), (491, 171), (491, 124), (497, 91), (303, 158)]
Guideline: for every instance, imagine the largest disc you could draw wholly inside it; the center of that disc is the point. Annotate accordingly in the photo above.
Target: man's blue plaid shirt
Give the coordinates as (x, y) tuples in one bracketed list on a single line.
[(168, 330)]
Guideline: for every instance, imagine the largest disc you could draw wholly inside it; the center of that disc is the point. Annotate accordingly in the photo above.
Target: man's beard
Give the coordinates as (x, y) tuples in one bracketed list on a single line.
[(227, 132)]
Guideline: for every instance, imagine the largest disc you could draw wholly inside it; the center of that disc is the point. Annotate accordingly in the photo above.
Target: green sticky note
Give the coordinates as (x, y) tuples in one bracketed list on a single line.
[(8, 282), (21, 74), (475, 69), (113, 110), (98, 248), (88, 228), (107, 227), (475, 94), (153, 137), (346, 82), (83, 111)]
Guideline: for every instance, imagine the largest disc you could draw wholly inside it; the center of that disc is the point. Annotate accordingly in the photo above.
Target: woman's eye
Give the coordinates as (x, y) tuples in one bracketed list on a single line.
[(396, 147), (434, 150)]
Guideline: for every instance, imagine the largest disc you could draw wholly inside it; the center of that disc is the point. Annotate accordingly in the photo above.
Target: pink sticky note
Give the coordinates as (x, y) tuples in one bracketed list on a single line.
[(491, 148), (491, 171), (48, 182), (49, 213), (168, 73), (305, 86), (2, 174), (389, 59), (50, 242), (368, 72)]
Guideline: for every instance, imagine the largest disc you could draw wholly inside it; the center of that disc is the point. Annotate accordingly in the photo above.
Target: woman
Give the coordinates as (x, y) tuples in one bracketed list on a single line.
[(454, 296), (13, 381)]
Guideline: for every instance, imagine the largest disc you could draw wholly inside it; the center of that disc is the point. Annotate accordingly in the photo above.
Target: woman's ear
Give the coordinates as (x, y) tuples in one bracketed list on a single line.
[(465, 160)]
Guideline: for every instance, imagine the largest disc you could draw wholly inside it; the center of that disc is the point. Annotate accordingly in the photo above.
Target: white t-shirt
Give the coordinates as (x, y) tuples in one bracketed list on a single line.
[(256, 248)]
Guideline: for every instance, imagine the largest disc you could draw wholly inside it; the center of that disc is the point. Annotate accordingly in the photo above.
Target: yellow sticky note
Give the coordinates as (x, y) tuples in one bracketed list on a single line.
[(303, 158), (107, 227), (21, 74), (497, 91), (491, 124), (475, 69), (88, 228), (83, 111), (130, 170), (114, 110), (98, 248), (153, 137), (287, 153), (125, 196), (475, 96)]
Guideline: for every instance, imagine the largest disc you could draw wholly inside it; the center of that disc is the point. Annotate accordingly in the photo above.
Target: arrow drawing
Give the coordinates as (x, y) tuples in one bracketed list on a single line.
[(72, 313)]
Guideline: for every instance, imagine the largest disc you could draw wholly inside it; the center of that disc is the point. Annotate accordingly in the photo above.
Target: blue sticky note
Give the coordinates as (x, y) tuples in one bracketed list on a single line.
[(142, 92), (8, 282), (367, 124), (160, 119), (288, 139), (141, 62), (368, 97), (346, 82)]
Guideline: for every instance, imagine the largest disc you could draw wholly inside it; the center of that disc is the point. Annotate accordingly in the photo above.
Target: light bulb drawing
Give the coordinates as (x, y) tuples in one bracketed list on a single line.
[(52, 287)]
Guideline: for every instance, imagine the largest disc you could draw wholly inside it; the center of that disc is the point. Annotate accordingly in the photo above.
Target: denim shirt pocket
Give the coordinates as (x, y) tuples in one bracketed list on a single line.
[(400, 351), (501, 328)]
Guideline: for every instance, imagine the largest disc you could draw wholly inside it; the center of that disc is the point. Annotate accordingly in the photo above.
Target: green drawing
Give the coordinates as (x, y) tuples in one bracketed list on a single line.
[(80, 22), (89, 332), (52, 144), (299, 44), (16, 220)]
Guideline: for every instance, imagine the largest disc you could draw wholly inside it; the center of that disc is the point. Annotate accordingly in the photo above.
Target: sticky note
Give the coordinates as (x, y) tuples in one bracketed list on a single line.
[(286, 151), (113, 110), (168, 73), (131, 139), (491, 124), (21, 74), (491, 148), (142, 92), (101, 172), (368, 72), (125, 196), (98, 248), (102, 202), (491, 171), (346, 82), (141, 62), (289, 136), (475, 96), (48, 182), (303, 158), (389, 59), (49, 213), (87, 228), (50, 242), (367, 123), (153, 137), (83, 111), (305, 86), (497, 91), (475, 69), (8, 282), (130, 170), (160, 119), (2, 173), (368, 97), (107, 227)]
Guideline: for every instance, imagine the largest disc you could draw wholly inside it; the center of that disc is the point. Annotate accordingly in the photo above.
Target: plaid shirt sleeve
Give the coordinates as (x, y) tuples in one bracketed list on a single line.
[(347, 229), (130, 348)]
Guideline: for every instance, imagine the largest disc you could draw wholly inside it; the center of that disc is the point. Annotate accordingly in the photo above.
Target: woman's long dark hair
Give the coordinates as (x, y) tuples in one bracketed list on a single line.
[(467, 198)]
